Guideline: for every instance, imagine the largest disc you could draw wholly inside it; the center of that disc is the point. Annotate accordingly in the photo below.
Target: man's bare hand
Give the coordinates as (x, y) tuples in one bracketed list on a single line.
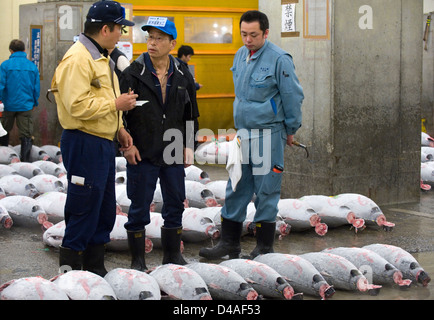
[(132, 155), (188, 157), (125, 140), (126, 101), (289, 140)]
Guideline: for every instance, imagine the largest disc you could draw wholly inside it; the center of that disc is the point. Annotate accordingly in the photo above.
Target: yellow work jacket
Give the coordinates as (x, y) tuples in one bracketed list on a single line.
[(85, 88)]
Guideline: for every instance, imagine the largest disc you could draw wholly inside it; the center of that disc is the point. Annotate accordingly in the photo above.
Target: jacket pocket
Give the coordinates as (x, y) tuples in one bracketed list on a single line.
[(261, 86), (79, 198), (272, 182)]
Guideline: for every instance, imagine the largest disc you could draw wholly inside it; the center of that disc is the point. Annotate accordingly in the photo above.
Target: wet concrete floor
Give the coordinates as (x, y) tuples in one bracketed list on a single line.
[(22, 253)]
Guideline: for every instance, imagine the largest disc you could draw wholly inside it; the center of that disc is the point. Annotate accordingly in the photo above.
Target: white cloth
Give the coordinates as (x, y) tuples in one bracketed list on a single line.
[(3, 132), (235, 159)]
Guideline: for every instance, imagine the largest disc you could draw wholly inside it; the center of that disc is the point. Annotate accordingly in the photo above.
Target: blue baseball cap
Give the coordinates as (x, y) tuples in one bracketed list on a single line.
[(108, 11), (162, 24)]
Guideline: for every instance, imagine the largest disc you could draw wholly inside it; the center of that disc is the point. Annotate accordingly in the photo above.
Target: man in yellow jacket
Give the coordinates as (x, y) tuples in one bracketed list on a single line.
[(89, 106)]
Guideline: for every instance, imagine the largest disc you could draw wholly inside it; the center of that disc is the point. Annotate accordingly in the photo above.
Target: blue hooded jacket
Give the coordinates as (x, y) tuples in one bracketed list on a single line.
[(19, 83)]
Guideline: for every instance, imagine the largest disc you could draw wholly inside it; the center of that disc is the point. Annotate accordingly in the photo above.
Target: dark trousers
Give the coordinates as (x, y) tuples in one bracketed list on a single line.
[(24, 121), (90, 209), (141, 183)]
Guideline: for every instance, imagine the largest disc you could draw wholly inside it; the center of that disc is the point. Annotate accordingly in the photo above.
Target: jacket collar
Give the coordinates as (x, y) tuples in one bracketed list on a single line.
[(145, 61), (257, 53), (90, 46), (18, 54), (93, 50)]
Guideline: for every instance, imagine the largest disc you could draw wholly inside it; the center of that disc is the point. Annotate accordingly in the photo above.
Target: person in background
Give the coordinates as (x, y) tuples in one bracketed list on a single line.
[(267, 114), (89, 107), (121, 63), (184, 56), (168, 112), (120, 59), (19, 91)]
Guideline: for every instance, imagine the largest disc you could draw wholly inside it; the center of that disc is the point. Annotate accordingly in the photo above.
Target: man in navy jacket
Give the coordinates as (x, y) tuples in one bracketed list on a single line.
[(19, 91)]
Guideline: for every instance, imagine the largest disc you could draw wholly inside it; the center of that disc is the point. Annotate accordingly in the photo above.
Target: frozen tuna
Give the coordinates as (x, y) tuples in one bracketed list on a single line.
[(129, 284), (403, 261), (340, 273), (119, 237), (194, 173), (26, 169), (153, 229), (213, 152), (121, 164), (264, 279), (300, 216), (121, 177), (426, 140), (121, 197), (50, 167), (224, 283), (301, 274), (197, 227), (8, 155), (218, 188), (427, 172), (53, 203), (249, 227), (377, 269), (365, 208), (32, 288), (180, 282), (5, 219), (198, 195), (18, 185), (6, 170), (332, 213), (213, 213), (36, 153), (53, 152), (426, 154), (25, 210), (84, 285), (53, 236), (47, 182)]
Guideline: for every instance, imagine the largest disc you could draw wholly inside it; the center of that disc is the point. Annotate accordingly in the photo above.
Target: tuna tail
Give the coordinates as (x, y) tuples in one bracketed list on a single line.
[(356, 223), (397, 278), (6, 221), (363, 286), (321, 229), (326, 291)]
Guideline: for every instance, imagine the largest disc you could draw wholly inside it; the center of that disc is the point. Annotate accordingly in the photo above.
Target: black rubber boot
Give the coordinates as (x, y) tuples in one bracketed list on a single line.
[(26, 147), (171, 242), (136, 244), (93, 259), (4, 141), (264, 238), (69, 259), (229, 243)]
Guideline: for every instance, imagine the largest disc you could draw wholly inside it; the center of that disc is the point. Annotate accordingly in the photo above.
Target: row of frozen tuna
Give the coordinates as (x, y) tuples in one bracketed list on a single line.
[(199, 224), (270, 276), (28, 188), (426, 162)]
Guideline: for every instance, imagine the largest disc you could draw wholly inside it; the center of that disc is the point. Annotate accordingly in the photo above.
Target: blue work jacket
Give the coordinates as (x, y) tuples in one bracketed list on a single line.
[(268, 94), (19, 83)]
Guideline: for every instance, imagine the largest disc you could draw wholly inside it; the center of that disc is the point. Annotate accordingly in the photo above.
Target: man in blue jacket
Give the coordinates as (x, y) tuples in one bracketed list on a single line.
[(19, 91), (267, 114)]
